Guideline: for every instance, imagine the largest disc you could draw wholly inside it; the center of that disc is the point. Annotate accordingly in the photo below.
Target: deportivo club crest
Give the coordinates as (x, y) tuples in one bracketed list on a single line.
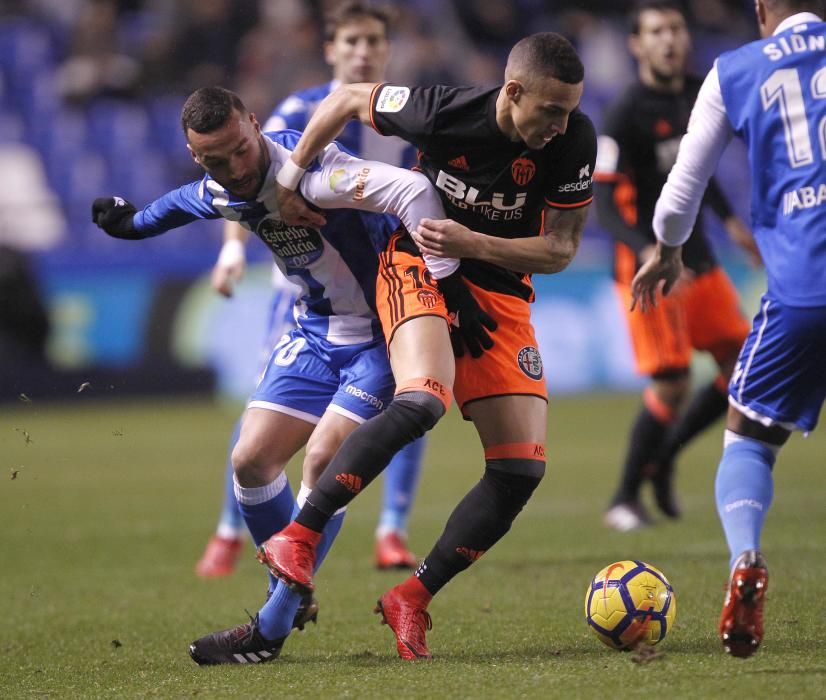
[(297, 246), (530, 362), (523, 170)]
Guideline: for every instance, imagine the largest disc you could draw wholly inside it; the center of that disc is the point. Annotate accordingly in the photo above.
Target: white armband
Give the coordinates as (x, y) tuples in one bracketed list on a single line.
[(232, 253), (440, 267), (290, 175)]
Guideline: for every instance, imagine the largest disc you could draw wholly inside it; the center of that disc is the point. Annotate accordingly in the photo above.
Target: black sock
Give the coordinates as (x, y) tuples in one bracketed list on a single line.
[(706, 407), (644, 443), (366, 452), (480, 520)]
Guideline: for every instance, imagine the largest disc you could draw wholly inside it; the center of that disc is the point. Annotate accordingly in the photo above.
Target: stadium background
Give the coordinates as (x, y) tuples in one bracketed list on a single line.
[(105, 506), (90, 94)]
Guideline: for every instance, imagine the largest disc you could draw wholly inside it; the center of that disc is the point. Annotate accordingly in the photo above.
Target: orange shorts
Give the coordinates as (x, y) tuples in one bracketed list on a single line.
[(701, 314), (513, 365), (405, 289)]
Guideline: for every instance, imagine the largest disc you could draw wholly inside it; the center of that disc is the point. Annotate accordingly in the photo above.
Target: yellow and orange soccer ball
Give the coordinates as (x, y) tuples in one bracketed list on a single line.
[(630, 603)]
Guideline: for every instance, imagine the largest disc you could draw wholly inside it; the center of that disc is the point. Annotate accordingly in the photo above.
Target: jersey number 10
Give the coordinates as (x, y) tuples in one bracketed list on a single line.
[(783, 86)]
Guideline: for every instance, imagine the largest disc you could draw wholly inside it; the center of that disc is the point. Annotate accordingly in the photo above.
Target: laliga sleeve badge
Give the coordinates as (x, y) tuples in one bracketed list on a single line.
[(530, 362), (392, 98)]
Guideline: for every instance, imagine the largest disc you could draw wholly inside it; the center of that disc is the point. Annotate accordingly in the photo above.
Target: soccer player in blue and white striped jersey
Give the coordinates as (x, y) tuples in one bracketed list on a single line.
[(331, 372), (357, 48)]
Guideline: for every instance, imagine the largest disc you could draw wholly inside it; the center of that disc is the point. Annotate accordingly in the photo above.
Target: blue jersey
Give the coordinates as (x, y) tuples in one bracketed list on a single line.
[(334, 268), (295, 111), (774, 91)]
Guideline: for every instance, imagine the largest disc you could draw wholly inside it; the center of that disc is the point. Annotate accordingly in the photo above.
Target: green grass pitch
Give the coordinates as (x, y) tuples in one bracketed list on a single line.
[(105, 507)]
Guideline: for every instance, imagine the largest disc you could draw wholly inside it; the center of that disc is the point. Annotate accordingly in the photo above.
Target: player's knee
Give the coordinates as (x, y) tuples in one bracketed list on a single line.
[(416, 412), (316, 458), (513, 490), (251, 466)]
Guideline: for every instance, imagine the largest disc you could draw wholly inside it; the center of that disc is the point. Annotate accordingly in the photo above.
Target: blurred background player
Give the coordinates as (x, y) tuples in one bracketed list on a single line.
[(640, 137), (358, 49), (770, 93)]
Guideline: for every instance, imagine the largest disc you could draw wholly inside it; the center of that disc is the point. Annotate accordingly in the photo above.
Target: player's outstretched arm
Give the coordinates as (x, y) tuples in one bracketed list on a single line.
[(343, 104), (708, 134), (115, 215), (120, 219), (346, 182), (545, 254)]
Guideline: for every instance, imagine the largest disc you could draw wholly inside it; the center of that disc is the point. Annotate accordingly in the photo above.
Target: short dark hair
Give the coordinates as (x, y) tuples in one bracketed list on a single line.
[(209, 108), (816, 6), (545, 54), (657, 5), (350, 11)]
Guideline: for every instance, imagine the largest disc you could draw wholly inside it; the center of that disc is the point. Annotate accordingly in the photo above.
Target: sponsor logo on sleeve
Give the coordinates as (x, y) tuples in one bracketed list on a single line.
[(336, 179), (392, 98), (583, 181), (341, 181)]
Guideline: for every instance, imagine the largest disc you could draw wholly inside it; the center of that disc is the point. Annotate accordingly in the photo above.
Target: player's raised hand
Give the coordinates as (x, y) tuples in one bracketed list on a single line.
[(471, 324), (444, 238), (114, 215), (661, 272), (295, 211), (229, 268)]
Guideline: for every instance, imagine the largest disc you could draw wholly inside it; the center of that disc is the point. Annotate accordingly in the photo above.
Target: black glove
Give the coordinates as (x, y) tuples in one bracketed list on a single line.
[(470, 324), (114, 215)]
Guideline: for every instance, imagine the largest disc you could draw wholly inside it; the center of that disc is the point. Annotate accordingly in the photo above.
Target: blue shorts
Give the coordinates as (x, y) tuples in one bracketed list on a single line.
[(780, 376), (306, 375)]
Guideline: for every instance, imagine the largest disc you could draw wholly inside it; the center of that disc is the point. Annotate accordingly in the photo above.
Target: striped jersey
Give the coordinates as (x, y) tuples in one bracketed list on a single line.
[(334, 268)]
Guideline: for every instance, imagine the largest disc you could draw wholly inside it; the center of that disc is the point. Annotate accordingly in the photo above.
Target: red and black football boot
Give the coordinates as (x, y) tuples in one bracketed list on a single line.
[(741, 621), (290, 556), (409, 621)]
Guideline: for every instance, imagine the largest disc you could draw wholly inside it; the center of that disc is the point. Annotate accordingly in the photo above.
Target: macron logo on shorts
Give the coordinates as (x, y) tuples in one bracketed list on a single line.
[(392, 98), (374, 401)]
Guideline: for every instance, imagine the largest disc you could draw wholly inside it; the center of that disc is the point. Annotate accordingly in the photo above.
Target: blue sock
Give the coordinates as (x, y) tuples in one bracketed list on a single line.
[(744, 490), (266, 510), (231, 521), (400, 480), (275, 619)]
